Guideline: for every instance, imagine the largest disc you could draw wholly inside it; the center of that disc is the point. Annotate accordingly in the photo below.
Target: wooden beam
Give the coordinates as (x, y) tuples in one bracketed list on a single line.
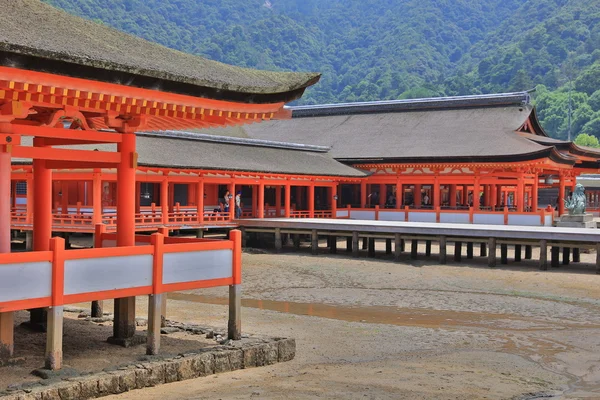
[(83, 156), (82, 136)]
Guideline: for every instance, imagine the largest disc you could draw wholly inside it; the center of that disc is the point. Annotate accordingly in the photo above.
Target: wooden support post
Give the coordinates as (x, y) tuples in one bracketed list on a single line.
[(155, 303), (544, 255), (54, 338), (97, 198), (518, 252), (28, 241), (97, 309), (402, 245), (576, 255), (199, 233), (314, 240), (261, 200), (457, 251), (597, 258), (355, 244), (287, 201), (278, 242), (164, 201), (492, 252), (371, 251), (234, 325), (7, 328), (528, 252), (332, 244), (397, 246), (503, 253), (443, 253), (414, 249), (554, 253), (482, 250), (469, 250), (566, 255), (200, 201), (388, 246), (348, 244), (428, 248), (365, 243)]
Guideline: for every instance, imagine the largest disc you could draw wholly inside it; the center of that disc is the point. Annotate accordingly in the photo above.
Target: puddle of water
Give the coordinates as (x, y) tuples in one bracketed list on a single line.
[(424, 318)]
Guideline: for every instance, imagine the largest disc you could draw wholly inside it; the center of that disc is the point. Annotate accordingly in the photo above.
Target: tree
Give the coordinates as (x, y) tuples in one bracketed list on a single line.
[(584, 139)]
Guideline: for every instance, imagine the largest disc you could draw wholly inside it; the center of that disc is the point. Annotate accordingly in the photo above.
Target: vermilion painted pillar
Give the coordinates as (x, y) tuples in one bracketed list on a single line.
[(363, 194), (288, 200), (97, 198), (138, 197), (520, 200), (254, 200), (261, 200), (476, 191), (399, 195), (333, 201), (164, 201), (417, 195), (6, 319), (311, 200), (124, 312), (200, 201), (382, 195), (278, 201), (452, 195), (534, 193), (30, 200), (437, 193), (231, 188)]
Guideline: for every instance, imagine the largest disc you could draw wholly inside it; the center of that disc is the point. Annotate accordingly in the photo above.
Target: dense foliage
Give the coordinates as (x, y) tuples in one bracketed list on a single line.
[(389, 49)]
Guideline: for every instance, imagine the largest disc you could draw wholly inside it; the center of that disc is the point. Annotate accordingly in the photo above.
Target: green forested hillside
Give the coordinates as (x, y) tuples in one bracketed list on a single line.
[(388, 49)]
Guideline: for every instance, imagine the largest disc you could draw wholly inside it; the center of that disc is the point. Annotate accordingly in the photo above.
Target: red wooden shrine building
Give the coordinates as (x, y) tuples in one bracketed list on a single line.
[(67, 82)]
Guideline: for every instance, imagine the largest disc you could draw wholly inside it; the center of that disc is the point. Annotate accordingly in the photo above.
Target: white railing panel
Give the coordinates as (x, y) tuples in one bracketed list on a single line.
[(197, 266), (30, 280), (455, 218), (527, 220), (421, 217), (366, 215), (107, 273), (391, 215), (489, 219)]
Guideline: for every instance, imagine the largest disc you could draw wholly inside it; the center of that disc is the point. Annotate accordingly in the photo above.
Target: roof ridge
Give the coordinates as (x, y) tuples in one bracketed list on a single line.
[(429, 103), (202, 137)]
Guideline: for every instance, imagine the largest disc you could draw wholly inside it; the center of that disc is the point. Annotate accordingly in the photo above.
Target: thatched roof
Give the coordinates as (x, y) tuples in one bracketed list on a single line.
[(36, 36), (461, 129), (197, 151)]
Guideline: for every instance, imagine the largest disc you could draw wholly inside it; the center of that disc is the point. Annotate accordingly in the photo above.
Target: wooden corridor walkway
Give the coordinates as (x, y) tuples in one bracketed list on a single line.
[(489, 237)]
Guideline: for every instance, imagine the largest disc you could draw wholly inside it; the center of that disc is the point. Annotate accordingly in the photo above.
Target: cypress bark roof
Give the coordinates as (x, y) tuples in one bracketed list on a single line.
[(461, 129), (36, 36)]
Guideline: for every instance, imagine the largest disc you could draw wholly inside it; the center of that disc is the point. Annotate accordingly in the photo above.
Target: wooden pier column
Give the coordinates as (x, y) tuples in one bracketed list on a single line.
[(97, 198), (332, 244), (355, 244), (365, 243), (555, 253), (597, 258), (287, 200), (371, 251), (278, 201), (566, 255), (443, 254), (528, 252), (458, 251), (97, 309), (349, 246), (544, 255), (576, 255), (428, 248), (518, 252), (154, 323), (28, 241), (469, 250), (503, 253), (388, 246), (398, 246), (402, 245), (363, 194), (278, 242), (314, 241), (7, 328), (414, 249), (164, 201), (54, 338), (482, 250), (234, 326), (492, 252)]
